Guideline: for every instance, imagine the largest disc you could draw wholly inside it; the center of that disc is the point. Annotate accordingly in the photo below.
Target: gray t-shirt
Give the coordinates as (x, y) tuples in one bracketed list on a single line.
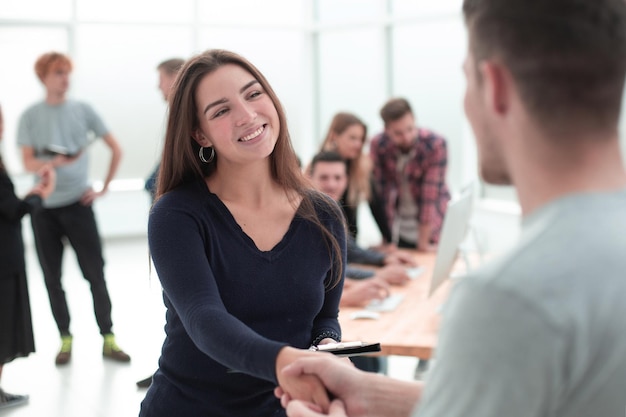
[(542, 330), (67, 125)]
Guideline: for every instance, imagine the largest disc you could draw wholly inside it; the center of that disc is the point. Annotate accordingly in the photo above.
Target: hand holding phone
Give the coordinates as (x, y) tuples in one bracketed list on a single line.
[(56, 150)]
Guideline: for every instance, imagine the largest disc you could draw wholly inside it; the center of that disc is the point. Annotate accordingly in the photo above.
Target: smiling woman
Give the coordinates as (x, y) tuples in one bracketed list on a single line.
[(249, 256)]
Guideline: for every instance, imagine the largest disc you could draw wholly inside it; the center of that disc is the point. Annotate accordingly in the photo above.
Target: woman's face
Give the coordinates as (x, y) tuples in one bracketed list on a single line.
[(349, 143), (236, 116)]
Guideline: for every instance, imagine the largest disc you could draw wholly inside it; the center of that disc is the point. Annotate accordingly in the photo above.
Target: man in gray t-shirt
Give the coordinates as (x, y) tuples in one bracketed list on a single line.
[(56, 132), (541, 331)]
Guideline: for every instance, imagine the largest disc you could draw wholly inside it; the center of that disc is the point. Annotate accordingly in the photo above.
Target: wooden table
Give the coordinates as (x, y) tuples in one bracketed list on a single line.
[(409, 330)]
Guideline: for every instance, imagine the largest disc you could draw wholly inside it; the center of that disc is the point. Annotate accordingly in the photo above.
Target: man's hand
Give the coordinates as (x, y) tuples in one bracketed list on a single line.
[(393, 274), (400, 258), (340, 377), (426, 247), (90, 196), (298, 408), (384, 247), (360, 293)]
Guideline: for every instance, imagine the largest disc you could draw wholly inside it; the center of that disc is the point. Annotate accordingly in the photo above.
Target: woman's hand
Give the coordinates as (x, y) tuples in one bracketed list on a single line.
[(339, 376), (47, 182), (307, 388)]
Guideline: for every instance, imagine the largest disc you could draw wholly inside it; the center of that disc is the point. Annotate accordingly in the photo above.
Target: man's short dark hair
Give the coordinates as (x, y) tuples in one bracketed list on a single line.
[(568, 57), (395, 109), (171, 66), (326, 156)]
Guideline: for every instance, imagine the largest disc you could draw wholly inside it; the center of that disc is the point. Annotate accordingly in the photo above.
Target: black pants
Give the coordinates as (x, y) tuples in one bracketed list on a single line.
[(77, 224)]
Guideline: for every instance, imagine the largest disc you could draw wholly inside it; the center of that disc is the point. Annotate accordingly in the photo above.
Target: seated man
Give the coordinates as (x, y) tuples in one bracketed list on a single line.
[(328, 173)]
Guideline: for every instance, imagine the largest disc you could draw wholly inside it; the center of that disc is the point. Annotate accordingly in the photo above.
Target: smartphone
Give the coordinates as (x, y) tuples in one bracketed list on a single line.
[(345, 349)]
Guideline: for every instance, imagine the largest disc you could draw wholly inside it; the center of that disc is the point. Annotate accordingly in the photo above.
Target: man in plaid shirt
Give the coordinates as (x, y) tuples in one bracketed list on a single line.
[(409, 172)]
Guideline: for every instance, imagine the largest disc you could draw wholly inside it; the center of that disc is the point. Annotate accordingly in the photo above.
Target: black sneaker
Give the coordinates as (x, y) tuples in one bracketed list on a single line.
[(145, 383), (9, 400)]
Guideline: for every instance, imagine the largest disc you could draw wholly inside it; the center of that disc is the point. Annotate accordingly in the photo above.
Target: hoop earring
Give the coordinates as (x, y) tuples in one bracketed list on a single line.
[(201, 155)]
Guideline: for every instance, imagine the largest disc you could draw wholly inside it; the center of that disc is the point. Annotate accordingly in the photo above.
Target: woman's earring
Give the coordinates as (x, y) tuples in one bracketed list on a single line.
[(201, 155)]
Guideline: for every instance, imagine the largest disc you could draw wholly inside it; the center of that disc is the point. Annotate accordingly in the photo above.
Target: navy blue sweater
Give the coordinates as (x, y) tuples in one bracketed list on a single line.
[(232, 307)]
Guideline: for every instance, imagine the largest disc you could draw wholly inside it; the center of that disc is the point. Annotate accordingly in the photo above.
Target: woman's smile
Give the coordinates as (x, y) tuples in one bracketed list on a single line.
[(252, 135)]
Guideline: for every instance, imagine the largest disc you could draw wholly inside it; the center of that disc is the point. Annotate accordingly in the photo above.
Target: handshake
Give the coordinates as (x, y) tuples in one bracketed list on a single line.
[(309, 380)]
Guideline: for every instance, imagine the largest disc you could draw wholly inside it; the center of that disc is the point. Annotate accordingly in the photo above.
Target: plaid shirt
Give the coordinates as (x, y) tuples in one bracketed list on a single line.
[(425, 170)]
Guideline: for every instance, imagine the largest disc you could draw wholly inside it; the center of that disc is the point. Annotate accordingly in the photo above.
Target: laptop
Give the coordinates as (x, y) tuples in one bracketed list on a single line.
[(453, 232)]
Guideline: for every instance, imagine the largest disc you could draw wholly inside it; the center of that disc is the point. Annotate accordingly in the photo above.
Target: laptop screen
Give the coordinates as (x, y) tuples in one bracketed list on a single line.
[(453, 232)]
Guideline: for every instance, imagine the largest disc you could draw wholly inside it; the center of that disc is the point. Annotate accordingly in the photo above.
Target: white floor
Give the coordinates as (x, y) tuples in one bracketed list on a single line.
[(90, 386)]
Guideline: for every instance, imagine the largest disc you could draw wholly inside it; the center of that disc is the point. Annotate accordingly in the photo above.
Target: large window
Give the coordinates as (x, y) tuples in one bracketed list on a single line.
[(321, 56), (116, 46)]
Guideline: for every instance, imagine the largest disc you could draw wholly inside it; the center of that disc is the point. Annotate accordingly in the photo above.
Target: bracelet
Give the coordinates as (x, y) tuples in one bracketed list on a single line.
[(326, 334)]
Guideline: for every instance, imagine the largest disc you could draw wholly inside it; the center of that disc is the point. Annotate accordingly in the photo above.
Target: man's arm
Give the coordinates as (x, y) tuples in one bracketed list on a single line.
[(34, 164), (432, 184), (359, 255), (116, 155), (424, 231)]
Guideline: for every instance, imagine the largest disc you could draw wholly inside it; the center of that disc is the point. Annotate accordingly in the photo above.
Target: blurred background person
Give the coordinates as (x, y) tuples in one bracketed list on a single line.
[(346, 135), (409, 172), (16, 328), (55, 131), (168, 70), (328, 173)]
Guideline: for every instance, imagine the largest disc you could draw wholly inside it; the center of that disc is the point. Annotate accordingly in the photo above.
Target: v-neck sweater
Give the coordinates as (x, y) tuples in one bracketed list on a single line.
[(231, 307)]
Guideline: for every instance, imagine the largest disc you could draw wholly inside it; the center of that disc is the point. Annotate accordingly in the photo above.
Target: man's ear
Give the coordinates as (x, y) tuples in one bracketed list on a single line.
[(201, 139), (497, 88)]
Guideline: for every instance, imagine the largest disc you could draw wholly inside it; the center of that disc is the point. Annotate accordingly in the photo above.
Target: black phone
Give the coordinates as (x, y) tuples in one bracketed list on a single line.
[(59, 150), (346, 349)]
